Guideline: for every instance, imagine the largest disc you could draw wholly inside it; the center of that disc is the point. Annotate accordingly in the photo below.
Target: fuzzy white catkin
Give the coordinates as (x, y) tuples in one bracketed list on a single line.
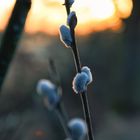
[(44, 83), (65, 36), (81, 80), (48, 90), (88, 72), (78, 128)]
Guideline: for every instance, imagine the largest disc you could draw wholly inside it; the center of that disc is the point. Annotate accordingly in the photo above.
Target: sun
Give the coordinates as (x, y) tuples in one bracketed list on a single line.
[(93, 15)]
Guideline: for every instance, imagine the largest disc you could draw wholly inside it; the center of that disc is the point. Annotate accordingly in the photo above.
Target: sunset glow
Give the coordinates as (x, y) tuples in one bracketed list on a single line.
[(48, 15)]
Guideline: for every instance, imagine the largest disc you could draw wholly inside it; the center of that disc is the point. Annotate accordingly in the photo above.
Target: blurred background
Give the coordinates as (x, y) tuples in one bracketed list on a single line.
[(108, 39)]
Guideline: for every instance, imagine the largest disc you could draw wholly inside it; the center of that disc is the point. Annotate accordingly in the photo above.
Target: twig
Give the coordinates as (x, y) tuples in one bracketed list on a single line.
[(12, 35), (62, 115), (83, 95), (53, 74), (67, 7), (59, 108)]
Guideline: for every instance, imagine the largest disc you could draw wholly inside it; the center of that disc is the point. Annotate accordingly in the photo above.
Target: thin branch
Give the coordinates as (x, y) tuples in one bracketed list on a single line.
[(12, 35), (83, 95), (63, 117)]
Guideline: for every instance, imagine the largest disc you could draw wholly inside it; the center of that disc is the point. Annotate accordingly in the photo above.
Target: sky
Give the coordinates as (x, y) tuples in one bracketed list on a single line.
[(93, 15)]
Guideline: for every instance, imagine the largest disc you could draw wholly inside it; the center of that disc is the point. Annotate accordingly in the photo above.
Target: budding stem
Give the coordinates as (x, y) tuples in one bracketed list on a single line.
[(83, 95), (62, 115)]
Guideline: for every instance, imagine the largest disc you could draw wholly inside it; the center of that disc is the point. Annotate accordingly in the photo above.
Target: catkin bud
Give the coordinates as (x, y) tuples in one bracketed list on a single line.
[(65, 36), (88, 72), (72, 20), (81, 80), (78, 129), (70, 2), (49, 92)]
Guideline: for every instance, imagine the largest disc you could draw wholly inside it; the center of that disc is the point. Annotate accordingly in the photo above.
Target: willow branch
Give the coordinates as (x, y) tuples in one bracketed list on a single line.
[(12, 35)]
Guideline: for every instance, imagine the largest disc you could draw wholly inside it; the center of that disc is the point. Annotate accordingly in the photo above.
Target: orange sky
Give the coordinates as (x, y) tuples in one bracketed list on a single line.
[(93, 15)]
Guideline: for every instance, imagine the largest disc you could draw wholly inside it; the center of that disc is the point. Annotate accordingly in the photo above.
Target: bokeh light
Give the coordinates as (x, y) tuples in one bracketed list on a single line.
[(93, 15)]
